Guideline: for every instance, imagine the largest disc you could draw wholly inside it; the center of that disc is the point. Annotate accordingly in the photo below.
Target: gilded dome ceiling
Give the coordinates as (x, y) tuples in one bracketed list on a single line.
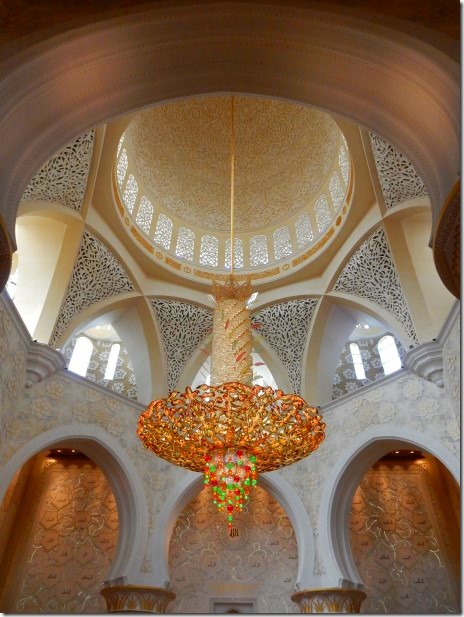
[(181, 155)]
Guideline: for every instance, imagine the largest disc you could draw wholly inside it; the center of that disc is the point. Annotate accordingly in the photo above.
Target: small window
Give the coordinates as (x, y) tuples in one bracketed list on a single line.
[(130, 193), (121, 141), (112, 361), (389, 355), (357, 361), (238, 254), (258, 251), (81, 356), (323, 214), (209, 250), (122, 168), (282, 243), (185, 243), (163, 231), (145, 215), (344, 164), (304, 230), (336, 191)]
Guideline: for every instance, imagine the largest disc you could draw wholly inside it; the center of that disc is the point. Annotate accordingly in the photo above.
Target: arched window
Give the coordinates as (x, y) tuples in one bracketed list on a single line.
[(389, 355), (209, 250), (344, 163), (185, 243), (121, 168), (130, 193), (112, 361), (145, 214), (163, 231), (304, 231), (323, 214), (282, 243), (12, 284), (258, 251), (238, 253), (336, 191), (81, 356), (357, 361)]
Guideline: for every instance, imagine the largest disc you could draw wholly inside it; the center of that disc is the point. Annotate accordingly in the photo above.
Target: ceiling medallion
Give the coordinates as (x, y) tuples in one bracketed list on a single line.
[(231, 430)]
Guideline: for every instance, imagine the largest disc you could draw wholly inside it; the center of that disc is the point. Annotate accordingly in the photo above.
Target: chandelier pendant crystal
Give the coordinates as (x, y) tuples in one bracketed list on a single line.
[(231, 430)]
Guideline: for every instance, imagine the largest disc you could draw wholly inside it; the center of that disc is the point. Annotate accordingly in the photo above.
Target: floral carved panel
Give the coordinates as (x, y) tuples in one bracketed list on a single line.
[(285, 327), (183, 326), (370, 273), (258, 555), (63, 179), (403, 542), (68, 541), (97, 275), (398, 178)]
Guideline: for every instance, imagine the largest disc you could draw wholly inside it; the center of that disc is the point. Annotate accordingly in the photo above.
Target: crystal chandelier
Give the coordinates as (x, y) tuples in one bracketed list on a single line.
[(231, 430)]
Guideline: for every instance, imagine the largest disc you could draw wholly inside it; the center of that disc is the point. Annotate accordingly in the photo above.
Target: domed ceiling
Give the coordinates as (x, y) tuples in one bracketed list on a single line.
[(181, 154)]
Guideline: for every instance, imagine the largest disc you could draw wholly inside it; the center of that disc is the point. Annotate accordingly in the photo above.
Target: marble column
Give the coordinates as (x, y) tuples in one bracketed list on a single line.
[(329, 600), (136, 599)]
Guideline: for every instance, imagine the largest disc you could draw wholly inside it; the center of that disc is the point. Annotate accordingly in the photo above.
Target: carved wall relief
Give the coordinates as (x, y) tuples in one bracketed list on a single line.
[(257, 558), (404, 540), (64, 540)]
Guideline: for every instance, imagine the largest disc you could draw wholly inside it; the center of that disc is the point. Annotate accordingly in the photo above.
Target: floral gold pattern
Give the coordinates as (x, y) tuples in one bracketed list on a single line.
[(131, 598), (329, 600)]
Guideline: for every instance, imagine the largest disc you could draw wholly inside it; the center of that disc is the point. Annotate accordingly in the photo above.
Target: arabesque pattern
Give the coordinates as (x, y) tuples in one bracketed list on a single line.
[(183, 326), (285, 327), (63, 179), (398, 178), (370, 273), (97, 274)]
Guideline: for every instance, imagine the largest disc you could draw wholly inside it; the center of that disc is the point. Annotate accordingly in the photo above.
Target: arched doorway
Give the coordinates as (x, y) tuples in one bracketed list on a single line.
[(250, 568), (60, 528)]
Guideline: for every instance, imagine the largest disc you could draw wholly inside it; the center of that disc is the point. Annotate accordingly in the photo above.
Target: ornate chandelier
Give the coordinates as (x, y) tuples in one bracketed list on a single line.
[(231, 430)]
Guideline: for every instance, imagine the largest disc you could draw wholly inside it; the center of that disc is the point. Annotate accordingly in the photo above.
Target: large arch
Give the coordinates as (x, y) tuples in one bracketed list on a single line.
[(274, 483), (360, 454), (374, 73), (119, 470)]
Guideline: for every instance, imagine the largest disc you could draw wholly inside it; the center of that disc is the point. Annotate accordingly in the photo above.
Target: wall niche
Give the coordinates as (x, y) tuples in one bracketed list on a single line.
[(58, 535)]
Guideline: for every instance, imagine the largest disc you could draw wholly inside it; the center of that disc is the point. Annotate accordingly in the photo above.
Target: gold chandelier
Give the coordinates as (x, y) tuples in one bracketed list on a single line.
[(231, 430)]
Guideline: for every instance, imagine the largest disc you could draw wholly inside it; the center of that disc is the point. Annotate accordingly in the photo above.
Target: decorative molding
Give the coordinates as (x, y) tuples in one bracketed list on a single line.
[(42, 362), (426, 361), (135, 599), (63, 179), (97, 275), (398, 178), (183, 326), (447, 242), (285, 327), (370, 273), (329, 600)]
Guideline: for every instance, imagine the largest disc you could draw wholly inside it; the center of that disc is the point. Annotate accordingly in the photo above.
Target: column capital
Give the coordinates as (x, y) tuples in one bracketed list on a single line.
[(136, 599), (329, 600)]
